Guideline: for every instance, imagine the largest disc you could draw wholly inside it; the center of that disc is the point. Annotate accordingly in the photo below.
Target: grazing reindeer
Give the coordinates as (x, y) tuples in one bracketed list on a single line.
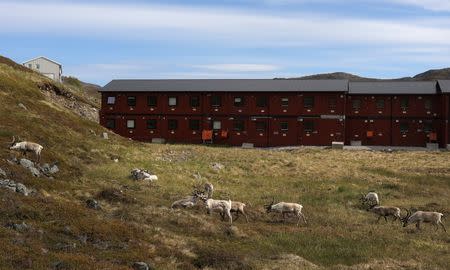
[(286, 208), (370, 199), (188, 202), (25, 147), (221, 206), (418, 217), (238, 208), (209, 189), (385, 211)]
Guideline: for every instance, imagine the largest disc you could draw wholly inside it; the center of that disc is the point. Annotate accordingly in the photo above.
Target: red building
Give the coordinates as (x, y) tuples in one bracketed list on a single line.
[(278, 112)]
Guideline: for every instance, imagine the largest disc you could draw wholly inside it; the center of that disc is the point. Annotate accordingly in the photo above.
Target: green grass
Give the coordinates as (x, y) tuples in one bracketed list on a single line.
[(141, 227)]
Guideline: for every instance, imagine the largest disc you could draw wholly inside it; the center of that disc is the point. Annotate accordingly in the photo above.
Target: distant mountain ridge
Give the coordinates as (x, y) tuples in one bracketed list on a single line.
[(430, 75)]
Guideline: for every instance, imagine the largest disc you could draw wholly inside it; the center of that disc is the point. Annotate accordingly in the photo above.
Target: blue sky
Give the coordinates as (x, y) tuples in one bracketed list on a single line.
[(100, 40)]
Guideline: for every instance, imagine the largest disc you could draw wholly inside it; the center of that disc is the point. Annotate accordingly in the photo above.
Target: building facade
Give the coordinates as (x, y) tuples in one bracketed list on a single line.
[(46, 67), (269, 113)]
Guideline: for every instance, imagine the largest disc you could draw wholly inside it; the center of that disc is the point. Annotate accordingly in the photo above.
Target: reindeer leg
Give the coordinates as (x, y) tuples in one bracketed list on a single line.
[(378, 220), (303, 217), (230, 217), (237, 216), (418, 225), (245, 215), (385, 218), (443, 227)]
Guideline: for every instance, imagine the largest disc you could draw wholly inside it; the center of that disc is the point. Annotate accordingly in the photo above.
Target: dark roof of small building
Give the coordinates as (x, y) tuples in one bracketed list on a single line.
[(226, 85), (392, 87), (444, 85)]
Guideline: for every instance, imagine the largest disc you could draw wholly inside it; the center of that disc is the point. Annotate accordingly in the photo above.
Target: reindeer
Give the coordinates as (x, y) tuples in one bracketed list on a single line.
[(209, 189), (187, 202), (25, 147), (370, 199), (418, 217), (238, 208), (221, 206), (385, 211), (286, 208)]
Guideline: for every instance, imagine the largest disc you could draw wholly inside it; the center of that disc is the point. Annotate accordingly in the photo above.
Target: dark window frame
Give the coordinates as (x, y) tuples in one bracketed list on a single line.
[(152, 124), (284, 128), (332, 103), (356, 104), (308, 126), (404, 127), (172, 124), (428, 104), (262, 128), (152, 101), (240, 103), (131, 101), (380, 103), (194, 101), (134, 123), (284, 101), (212, 125), (196, 126), (310, 103), (110, 103), (428, 127), (113, 121), (262, 104), (216, 101), (239, 125), (404, 103)]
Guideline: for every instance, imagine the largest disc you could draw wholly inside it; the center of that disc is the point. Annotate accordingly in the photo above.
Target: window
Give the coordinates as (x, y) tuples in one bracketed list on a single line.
[(308, 102), (285, 102), (404, 103), (428, 127), (131, 101), (332, 103), (217, 125), (308, 126), (238, 125), (216, 101), (131, 124), (428, 104), (111, 100), (38, 66), (404, 127), (356, 104), (261, 102), (173, 124), (152, 101), (195, 101), (111, 123), (284, 126), (29, 66), (172, 101), (151, 124), (380, 104), (260, 126), (238, 101), (194, 124)]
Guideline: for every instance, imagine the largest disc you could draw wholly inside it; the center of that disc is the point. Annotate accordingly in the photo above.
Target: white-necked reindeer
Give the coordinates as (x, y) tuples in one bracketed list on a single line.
[(418, 217), (25, 147), (286, 208), (221, 206)]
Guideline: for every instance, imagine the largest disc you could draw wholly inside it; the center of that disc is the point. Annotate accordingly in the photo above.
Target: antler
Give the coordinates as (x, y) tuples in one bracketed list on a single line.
[(14, 140)]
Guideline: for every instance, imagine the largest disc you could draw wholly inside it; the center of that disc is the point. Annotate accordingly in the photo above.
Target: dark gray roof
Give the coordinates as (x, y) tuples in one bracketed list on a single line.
[(444, 85), (226, 85), (392, 87)]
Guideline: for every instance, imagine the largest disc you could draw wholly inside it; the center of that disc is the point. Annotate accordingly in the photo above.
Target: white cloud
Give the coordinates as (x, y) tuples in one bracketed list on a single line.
[(238, 67), (235, 27), (434, 5)]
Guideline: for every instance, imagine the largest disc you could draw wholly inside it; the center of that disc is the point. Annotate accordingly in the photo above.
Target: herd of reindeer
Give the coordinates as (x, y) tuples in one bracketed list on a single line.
[(226, 207), (370, 201)]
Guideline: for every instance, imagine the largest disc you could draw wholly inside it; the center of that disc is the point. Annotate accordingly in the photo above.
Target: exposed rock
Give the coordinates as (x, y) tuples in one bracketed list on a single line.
[(93, 204), (105, 136), (217, 166), (141, 266), (22, 106), (138, 174), (28, 164), (49, 169), (20, 227), (15, 186), (288, 262), (2, 173)]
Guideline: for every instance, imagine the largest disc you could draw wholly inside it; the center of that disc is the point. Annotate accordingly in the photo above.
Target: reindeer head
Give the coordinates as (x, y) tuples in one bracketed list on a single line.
[(13, 143), (404, 220), (269, 206), (197, 194)]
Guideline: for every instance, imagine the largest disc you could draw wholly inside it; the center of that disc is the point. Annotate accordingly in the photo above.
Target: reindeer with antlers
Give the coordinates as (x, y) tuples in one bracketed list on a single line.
[(221, 206), (25, 147), (418, 217), (286, 208)]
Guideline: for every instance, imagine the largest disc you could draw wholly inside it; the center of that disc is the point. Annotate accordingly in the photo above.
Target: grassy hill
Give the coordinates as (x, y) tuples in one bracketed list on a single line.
[(137, 224), (430, 75)]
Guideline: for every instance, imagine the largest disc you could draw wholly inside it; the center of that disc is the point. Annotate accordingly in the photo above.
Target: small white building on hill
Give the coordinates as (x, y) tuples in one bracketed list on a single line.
[(46, 67)]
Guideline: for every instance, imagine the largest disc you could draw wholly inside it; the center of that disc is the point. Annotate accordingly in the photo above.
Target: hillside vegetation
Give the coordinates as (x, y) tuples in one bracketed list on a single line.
[(137, 224)]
